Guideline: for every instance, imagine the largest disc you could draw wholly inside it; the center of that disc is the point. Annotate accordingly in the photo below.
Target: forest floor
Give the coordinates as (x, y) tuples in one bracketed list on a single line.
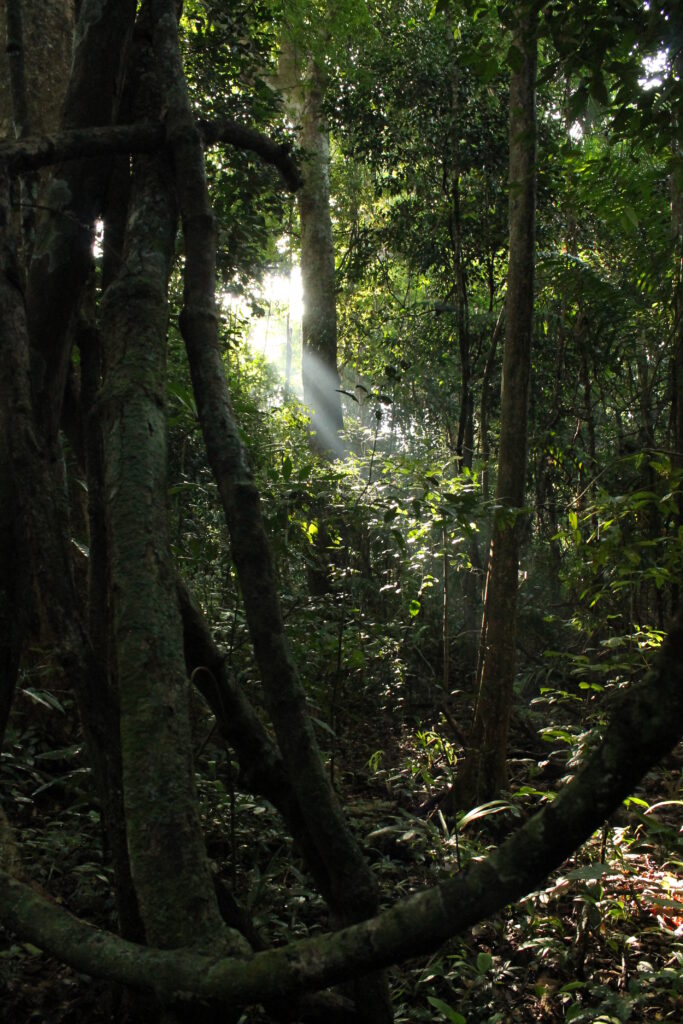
[(602, 942)]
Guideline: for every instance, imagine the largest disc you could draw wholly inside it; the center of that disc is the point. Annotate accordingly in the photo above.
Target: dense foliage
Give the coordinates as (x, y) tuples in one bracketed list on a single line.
[(380, 557)]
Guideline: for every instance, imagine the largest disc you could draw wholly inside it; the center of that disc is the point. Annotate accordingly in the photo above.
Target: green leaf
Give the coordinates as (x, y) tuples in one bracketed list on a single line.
[(490, 69), (183, 395), (449, 1013), (599, 89), (286, 468), (64, 754), (355, 658), (485, 811), (414, 609), (323, 725), (588, 871), (399, 538), (572, 986), (67, 777), (438, 6), (659, 903), (484, 962), (628, 218), (636, 801), (632, 217), (44, 697), (189, 485), (577, 103)]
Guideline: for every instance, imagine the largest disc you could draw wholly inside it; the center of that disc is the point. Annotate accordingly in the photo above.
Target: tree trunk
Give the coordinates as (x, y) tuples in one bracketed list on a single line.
[(677, 355), (48, 39), (15, 590), (464, 443), (305, 92), (484, 405), (486, 769), (33, 78), (62, 254), (168, 861), (352, 884)]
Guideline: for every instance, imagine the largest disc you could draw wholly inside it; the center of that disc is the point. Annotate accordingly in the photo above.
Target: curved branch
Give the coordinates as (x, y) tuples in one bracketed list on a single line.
[(259, 757), (40, 151), (237, 135), (353, 887), (647, 722)]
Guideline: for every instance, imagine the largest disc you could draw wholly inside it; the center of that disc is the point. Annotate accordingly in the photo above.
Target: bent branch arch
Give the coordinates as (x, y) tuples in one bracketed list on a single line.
[(647, 721), (40, 151)]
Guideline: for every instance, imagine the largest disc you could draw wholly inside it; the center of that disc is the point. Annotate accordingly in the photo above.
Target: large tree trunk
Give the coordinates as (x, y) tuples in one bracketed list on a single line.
[(353, 892), (677, 355), (46, 58), (62, 255), (486, 769), (464, 445), (168, 861), (33, 411), (304, 92), (15, 588), (33, 77), (484, 404)]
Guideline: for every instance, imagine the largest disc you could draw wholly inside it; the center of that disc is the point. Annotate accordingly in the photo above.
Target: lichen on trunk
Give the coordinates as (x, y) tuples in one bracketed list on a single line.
[(168, 860)]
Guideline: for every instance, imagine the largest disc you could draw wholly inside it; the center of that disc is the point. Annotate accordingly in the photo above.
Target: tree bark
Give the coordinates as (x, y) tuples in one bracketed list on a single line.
[(485, 403), (464, 442), (304, 94), (47, 36), (26, 187), (485, 772), (42, 544), (15, 591), (168, 862), (262, 768), (19, 27), (17, 67), (62, 254), (353, 888), (45, 49), (80, 143), (677, 353)]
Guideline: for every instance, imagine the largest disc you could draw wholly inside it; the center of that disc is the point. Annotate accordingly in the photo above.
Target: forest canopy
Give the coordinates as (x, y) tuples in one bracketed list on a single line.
[(341, 631)]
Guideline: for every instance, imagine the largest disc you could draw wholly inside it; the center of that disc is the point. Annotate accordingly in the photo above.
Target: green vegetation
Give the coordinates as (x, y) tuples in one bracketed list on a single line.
[(274, 722)]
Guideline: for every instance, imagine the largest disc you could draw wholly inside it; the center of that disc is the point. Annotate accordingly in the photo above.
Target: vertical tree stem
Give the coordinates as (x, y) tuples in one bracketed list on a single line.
[(486, 768), (353, 888)]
